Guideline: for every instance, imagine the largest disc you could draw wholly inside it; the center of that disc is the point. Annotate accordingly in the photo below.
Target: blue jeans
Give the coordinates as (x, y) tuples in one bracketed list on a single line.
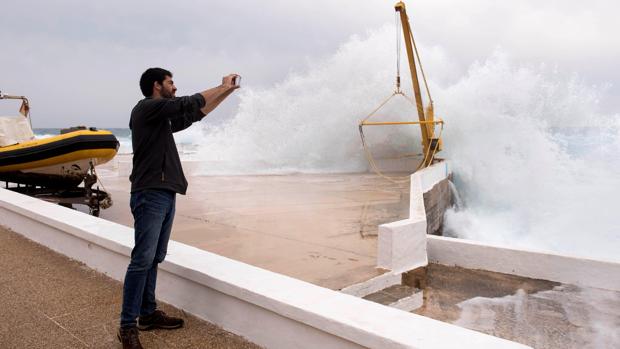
[(153, 213)]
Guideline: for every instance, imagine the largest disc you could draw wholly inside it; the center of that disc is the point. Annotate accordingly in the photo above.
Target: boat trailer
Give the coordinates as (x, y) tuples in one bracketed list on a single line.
[(94, 199)]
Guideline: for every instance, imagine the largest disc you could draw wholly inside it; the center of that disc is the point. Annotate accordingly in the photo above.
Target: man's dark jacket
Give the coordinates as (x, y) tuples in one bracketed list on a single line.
[(156, 163)]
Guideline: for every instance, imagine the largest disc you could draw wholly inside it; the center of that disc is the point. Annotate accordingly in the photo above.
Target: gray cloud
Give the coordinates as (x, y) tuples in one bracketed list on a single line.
[(79, 62)]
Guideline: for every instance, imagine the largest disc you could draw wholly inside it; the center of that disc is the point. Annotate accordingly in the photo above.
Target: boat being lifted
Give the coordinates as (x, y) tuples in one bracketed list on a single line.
[(53, 168)]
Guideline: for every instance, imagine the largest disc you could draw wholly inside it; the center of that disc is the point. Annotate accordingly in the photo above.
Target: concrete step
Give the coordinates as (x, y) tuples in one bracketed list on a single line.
[(402, 297)]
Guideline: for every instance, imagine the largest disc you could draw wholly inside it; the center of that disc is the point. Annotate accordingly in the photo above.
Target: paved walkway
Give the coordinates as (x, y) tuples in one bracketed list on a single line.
[(50, 301)]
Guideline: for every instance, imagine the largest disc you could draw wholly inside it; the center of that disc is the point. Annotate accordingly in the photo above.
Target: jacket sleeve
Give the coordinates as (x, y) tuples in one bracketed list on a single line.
[(190, 114), (181, 111)]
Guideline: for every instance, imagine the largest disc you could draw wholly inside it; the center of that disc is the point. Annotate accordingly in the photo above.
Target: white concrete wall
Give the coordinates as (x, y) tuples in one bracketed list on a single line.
[(373, 285), (433, 175), (529, 263), (402, 244), (479, 255), (269, 309)]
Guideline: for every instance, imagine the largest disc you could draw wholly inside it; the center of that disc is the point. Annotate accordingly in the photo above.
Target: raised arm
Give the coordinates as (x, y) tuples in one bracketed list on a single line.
[(214, 96)]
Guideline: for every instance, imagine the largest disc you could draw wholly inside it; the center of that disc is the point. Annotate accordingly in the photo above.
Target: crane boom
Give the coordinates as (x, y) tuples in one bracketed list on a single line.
[(429, 144)]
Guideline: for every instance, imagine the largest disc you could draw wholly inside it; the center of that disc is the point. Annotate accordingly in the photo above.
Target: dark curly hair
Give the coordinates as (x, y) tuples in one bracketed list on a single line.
[(149, 77)]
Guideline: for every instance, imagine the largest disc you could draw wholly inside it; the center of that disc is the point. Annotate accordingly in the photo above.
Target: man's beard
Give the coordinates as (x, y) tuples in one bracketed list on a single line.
[(167, 94)]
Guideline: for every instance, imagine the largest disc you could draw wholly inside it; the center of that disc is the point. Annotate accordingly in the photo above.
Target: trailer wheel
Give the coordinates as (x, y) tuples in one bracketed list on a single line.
[(94, 211)]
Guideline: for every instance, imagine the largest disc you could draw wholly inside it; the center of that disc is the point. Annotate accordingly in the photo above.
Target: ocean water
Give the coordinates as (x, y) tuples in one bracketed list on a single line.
[(536, 162), (185, 145)]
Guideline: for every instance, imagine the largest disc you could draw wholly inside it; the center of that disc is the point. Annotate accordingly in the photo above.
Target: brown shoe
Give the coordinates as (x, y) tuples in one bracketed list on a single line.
[(159, 319), (129, 337)]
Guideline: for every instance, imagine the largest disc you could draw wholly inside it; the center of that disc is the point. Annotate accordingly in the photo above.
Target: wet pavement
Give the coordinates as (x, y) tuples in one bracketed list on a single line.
[(50, 301), (318, 228), (538, 313), (322, 229)]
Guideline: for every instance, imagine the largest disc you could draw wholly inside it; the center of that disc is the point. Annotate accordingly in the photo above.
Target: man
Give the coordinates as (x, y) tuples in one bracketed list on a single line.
[(156, 178)]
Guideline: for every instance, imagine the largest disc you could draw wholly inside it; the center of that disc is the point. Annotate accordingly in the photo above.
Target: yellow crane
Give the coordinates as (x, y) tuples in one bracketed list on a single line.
[(431, 144)]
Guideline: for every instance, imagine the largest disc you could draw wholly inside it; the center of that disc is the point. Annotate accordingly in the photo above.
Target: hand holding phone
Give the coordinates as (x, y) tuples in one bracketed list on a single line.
[(231, 80), (236, 80)]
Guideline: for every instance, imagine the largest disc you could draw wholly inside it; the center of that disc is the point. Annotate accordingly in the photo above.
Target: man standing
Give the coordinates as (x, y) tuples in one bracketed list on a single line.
[(156, 178)]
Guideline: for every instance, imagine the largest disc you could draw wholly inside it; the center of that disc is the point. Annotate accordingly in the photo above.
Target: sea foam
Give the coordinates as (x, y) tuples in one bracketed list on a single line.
[(537, 164)]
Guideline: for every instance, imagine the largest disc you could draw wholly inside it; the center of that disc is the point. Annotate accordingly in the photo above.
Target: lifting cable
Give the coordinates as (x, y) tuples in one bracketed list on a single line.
[(430, 153)]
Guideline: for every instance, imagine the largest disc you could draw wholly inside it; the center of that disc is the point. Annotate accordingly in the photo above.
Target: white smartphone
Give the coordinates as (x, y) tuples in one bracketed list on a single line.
[(237, 80)]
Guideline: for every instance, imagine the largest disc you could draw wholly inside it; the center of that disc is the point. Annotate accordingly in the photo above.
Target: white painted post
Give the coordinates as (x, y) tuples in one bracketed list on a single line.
[(402, 246)]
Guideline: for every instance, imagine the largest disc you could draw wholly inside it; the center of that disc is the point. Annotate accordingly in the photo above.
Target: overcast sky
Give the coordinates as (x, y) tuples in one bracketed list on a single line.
[(79, 61)]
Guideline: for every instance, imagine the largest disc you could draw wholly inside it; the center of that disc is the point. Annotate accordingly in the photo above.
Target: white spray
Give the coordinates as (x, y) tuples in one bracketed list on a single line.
[(535, 162)]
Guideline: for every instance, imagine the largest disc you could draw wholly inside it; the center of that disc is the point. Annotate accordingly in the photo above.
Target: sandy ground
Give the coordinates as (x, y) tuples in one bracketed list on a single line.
[(50, 301)]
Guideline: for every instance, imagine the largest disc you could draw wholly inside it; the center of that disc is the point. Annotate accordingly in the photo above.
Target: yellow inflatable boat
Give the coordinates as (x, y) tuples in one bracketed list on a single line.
[(59, 161), (53, 168)]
